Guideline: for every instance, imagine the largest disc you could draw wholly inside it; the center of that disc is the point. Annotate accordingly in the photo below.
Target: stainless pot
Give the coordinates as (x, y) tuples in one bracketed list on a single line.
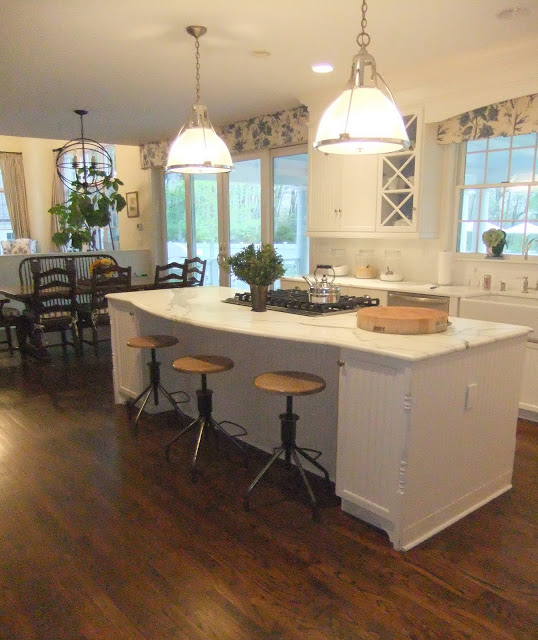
[(323, 291)]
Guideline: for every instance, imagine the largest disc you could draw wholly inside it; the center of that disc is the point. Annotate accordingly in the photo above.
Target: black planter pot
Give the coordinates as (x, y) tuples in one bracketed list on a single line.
[(258, 293)]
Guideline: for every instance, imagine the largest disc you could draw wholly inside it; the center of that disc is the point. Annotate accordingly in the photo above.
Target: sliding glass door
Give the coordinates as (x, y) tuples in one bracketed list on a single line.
[(245, 209), (264, 199), (205, 223), (290, 187)]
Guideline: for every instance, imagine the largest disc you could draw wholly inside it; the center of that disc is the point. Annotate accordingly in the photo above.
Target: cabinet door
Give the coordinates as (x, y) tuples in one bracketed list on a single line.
[(359, 193), (371, 418), (399, 180), (324, 192), (128, 369)]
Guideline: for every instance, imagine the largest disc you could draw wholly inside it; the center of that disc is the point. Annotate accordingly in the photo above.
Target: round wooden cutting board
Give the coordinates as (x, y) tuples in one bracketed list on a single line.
[(402, 320)]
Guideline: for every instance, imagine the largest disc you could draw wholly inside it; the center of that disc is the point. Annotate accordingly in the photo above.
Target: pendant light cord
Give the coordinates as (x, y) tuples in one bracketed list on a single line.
[(197, 55), (363, 39)]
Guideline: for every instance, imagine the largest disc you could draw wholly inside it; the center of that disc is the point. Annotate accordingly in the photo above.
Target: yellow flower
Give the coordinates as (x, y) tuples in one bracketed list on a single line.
[(102, 262)]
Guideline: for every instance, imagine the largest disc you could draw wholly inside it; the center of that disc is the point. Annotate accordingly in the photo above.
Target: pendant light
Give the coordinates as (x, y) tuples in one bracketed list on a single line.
[(197, 148), (83, 164), (364, 119)]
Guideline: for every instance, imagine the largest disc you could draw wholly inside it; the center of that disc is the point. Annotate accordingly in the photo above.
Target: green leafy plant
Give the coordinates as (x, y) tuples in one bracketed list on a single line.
[(256, 266), (84, 211), (496, 239)]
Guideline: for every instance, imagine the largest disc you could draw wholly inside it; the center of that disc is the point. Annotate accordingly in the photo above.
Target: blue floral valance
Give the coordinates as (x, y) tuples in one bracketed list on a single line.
[(280, 129), (507, 118)]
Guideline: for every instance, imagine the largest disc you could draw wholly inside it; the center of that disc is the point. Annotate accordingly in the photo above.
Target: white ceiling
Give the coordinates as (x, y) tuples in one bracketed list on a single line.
[(131, 64)]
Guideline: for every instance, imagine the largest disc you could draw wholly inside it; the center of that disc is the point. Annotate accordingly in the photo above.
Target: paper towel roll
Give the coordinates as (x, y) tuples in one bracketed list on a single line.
[(444, 267)]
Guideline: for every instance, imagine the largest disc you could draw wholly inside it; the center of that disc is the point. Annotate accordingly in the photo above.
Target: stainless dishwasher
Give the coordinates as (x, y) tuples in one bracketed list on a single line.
[(401, 299)]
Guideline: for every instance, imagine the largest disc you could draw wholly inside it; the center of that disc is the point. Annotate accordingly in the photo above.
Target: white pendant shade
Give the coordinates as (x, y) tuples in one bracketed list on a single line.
[(362, 120), (199, 150)]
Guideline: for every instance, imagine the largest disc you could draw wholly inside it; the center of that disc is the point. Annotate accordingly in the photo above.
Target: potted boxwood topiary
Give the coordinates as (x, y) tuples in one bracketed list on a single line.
[(495, 241), (258, 267), (85, 210)]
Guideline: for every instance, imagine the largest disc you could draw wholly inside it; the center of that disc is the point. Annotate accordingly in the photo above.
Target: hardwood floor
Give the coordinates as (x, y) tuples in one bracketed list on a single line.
[(102, 539)]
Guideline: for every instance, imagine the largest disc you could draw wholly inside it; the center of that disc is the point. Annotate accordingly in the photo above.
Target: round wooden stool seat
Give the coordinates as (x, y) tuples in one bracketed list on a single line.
[(290, 383), (152, 342), (203, 364)]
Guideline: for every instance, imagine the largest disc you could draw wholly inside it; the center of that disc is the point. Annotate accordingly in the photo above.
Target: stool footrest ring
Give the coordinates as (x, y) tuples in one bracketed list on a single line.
[(186, 396)]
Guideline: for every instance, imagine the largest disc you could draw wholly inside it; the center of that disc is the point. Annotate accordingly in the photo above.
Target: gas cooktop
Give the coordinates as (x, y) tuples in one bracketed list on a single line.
[(296, 301)]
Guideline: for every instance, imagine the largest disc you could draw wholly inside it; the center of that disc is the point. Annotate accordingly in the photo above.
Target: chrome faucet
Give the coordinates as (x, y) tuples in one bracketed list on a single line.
[(527, 247)]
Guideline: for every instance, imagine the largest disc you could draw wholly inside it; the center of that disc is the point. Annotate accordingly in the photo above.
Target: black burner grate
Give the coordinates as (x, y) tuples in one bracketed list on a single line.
[(296, 301)]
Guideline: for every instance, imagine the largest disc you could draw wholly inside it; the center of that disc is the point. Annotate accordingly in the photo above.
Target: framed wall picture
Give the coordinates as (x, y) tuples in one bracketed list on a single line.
[(132, 204)]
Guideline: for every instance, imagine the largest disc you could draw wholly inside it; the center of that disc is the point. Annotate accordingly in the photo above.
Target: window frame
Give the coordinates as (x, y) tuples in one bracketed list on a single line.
[(460, 188)]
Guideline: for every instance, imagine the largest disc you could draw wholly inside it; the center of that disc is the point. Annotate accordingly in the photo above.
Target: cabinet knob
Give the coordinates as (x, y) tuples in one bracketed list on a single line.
[(340, 363)]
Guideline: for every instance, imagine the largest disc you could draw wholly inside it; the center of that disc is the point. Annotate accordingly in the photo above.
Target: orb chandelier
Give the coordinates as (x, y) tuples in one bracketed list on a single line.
[(197, 148), (83, 164), (364, 119)]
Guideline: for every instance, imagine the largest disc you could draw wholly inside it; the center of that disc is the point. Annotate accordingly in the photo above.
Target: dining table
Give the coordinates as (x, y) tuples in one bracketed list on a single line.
[(30, 342)]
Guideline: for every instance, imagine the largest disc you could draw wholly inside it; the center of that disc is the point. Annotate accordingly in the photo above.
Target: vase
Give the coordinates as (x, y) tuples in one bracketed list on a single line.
[(258, 295), (495, 251)]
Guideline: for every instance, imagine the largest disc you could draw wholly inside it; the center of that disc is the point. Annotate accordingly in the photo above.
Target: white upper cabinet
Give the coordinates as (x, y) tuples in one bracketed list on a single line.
[(398, 191), (342, 192), (377, 196)]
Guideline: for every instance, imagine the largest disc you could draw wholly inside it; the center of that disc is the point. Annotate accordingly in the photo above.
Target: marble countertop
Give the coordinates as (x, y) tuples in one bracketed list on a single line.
[(203, 307)]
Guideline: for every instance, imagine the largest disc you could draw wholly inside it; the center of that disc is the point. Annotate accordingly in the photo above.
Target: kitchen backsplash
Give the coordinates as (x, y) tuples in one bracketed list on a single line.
[(419, 261)]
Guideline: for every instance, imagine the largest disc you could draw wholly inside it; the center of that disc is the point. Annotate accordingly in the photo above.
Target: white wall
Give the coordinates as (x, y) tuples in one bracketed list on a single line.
[(39, 169)]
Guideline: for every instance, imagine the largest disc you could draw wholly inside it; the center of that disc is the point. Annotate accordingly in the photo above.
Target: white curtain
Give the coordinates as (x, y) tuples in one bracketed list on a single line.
[(15, 192)]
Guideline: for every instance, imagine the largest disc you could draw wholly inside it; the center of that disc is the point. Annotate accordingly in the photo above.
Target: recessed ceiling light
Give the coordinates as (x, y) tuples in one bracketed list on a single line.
[(322, 67), (512, 12), (260, 53)]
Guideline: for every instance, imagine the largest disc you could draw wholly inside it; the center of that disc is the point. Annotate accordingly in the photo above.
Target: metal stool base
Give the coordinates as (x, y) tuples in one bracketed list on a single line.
[(206, 423), (154, 387), (291, 451)]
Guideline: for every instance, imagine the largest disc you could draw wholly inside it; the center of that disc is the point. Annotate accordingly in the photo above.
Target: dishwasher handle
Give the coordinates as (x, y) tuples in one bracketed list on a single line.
[(398, 298)]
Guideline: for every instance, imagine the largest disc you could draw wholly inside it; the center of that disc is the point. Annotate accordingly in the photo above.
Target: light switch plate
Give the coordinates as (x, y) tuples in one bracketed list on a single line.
[(470, 396)]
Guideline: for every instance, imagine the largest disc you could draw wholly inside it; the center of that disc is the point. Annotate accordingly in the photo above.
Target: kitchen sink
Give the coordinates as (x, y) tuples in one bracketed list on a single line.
[(512, 309)]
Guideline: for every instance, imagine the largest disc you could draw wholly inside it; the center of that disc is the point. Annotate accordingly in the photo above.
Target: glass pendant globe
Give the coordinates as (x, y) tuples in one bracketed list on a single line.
[(362, 120), (199, 150)]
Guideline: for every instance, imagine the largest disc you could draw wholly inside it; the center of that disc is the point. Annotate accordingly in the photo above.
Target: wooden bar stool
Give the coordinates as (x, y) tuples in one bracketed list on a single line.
[(154, 386), (290, 383), (205, 365)]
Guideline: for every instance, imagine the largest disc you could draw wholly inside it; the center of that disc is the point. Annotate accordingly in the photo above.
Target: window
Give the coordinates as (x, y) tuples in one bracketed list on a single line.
[(498, 188), (6, 231)]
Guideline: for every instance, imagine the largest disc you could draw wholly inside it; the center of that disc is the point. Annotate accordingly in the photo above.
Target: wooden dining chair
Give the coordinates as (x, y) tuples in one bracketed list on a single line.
[(189, 273), (104, 280), (53, 304), (9, 319)]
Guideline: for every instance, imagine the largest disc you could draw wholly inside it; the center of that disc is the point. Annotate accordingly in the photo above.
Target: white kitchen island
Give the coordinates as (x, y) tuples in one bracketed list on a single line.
[(417, 431)]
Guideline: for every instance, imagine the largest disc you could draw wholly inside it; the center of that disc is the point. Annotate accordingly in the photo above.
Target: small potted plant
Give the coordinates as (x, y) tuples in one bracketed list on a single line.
[(258, 267), (495, 241)]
